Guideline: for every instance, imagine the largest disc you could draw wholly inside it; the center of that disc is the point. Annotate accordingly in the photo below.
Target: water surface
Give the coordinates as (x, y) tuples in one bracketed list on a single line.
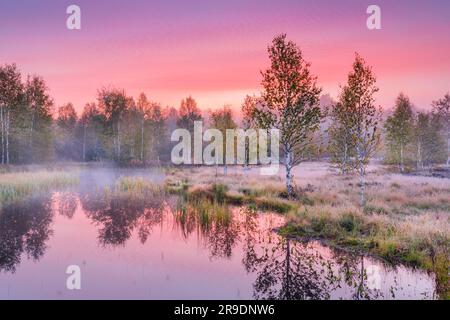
[(148, 249)]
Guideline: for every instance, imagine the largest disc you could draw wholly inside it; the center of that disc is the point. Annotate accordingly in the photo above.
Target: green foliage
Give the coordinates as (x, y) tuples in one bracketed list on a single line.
[(441, 109), (222, 119), (429, 143), (65, 124), (341, 146), (349, 222), (219, 192), (399, 131), (354, 131), (188, 114), (25, 118), (354, 135), (289, 102)]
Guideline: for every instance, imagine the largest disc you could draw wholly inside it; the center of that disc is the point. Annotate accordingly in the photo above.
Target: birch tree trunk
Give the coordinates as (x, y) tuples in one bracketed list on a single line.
[(344, 164), (362, 175), (402, 167), (84, 142), (448, 149), (7, 135), (31, 130), (419, 156), (362, 181), (3, 134), (289, 178), (142, 140), (118, 140)]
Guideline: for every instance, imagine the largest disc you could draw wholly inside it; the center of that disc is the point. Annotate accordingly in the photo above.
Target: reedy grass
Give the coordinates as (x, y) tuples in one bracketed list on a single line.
[(203, 212), (137, 186), (18, 185), (219, 193), (135, 189)]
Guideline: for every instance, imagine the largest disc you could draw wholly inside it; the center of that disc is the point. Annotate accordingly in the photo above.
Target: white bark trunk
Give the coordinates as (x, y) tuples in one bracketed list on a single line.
[(448, 150), (419, 156), (362, 181), (118, 140), (344, 164), (31, 135), (402, 167), (7, 136), (362, 175), (289, 177), (84, 142), (142, 140), (3, 134)]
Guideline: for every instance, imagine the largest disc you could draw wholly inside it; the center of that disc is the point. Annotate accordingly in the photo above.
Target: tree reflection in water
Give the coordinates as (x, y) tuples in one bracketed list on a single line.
[(291, 270), (119, 215), (285, 269), (24, 228)]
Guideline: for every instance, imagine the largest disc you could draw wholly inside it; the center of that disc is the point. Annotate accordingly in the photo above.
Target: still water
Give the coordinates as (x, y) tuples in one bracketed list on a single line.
[(148, 250)]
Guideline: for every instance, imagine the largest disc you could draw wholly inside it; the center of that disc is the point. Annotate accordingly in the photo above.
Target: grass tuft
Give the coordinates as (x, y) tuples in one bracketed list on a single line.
[(18, 185)]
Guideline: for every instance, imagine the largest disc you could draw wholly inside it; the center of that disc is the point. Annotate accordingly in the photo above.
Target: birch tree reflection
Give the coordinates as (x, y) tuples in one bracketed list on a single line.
[(119, 215), (287, 269), (24, 228)]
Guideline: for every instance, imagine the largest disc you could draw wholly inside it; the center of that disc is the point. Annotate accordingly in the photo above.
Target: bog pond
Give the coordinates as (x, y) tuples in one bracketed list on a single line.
[(133, 249)]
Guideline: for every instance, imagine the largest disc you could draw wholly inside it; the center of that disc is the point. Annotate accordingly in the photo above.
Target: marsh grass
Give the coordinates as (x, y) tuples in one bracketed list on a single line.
[(219, 193), (203, 213), (137, 186), (137, 190), (15, 186)]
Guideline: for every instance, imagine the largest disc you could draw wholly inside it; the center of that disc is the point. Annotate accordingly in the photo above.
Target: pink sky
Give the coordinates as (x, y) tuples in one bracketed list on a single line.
[(215, 51)]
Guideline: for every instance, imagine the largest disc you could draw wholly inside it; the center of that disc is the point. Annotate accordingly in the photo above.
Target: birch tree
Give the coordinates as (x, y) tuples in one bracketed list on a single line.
[(429, 143), (399, 129), (420, 138), (143, 106), (248, 122), (156, 130), (341, 144), (442, 109), (11, 93), (290, 102), (188, 114), (113, 103), (92, 135), (222, 119), (422, 141), (65, 141), (364, 117), (39, 106)]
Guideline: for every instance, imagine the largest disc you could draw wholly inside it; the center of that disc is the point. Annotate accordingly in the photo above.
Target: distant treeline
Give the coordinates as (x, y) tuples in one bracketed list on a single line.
[(131, 131), (114, 128)]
